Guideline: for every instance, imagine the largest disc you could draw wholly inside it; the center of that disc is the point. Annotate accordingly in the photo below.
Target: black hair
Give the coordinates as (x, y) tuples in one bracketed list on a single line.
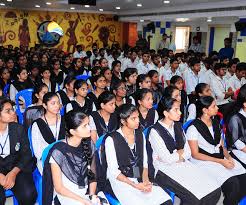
[(129, 71), (241, 67), (69, 78), (218, 66), (172, 60), (241, 98), (165, 104), (200, 88), (18, 72), (95, 69), (48, 96), (114, 64), (194, 61), (101, 59), (203, 102), (168, 91), (141, 78), (97, 77), (228, 39), (175, 79), (125, 111), (94, 62), (2, 70), (105, 97), (117, 84), (151, 73), (141, 93), (3, 101), (44, 68), (37, 89), (78, 84), (103, 70)]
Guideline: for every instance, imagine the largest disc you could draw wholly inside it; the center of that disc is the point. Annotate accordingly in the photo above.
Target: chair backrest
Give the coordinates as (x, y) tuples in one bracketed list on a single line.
[(6, 89), (187, 124), (29, 133), (99, 141), (62, 111), (82, 77), (155, 106), (46, 151), (27, 96)]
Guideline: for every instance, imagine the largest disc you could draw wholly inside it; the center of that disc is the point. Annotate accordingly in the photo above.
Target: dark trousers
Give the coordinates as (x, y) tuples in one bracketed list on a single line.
[(24, 190), (186, 197), (234, 189)]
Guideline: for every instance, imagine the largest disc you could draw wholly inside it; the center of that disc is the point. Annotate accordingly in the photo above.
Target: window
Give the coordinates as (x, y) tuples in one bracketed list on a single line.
[(182, 38)]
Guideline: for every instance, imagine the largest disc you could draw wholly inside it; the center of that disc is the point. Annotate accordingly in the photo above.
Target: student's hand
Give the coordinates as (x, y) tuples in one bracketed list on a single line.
[(10, 180), (141, 187), (2, 180), (95, 200), (231, 160), (227, 164), (148, 186), (85, 202), (180, 152)]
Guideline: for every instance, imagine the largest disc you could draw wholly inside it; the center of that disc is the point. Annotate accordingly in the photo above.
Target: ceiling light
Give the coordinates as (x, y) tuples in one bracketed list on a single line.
[(87, 6), (72, 8), (2, 4), (209, 19), (9, 0), (48, 3), (141, 20), (100, 9), (166, 2), (117, 7), (182, 19), (139, 5), (37, 6)]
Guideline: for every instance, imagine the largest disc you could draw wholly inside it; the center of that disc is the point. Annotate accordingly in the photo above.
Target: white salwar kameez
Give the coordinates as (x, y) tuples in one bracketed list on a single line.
[(125, 193), (216, 170)]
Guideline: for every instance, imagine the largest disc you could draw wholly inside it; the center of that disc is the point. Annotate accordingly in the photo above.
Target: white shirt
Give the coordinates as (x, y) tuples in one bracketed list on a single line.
[(168, 74), (5, 144), (183, 67), (143, 68), (131, 64), (113, 166), (235, 83), (191, 81), (239, 144), (207, 77), (227, 76), (218, 87), (192, 112), (69, 106), (80, 54), (161, 155), (124, 62), (196, 48)]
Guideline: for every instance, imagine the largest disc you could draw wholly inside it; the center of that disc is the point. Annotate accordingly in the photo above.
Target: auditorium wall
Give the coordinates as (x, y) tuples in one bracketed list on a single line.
[(20, 28), (241, 43)]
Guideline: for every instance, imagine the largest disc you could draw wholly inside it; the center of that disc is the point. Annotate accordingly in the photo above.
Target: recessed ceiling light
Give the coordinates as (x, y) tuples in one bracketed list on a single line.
[(182, 19), (9, 0), (209, 19), (141, 20), (100, 9), (87, 6), (2, 4), (139, 5), (37, 6), (72, 8), (166, 2), (48, 3), (117, 7)]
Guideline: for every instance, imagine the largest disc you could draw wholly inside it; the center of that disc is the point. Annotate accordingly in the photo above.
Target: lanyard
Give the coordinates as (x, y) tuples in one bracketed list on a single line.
[(223, 85), (56, 136), (4, 144)]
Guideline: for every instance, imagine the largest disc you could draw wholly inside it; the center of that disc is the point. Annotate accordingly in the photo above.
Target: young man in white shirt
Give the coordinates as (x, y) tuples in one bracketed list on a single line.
[(143, 66), (196, 46), (238, 79), (79, 53), (172, 71), (192, 78), (132, 62), (231, 69)]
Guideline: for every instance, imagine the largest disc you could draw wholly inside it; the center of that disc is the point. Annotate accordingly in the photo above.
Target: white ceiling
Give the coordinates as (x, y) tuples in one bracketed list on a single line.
[(108, 5)]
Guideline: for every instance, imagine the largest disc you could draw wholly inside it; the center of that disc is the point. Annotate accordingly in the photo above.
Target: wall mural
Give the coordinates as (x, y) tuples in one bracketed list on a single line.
[(21, 28)]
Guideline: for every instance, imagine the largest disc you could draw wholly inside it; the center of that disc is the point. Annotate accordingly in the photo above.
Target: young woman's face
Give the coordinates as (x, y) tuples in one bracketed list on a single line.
[(147, 101), (174, 114), (132, 122), (44, 59), (57, 65), (78, 63), (82, 91), (212, 109), (23, 75), (146, 83), (132, 79), (176, 95), (1, 63), (155, 79), (83, 131), (221, 72), (70, 86), (101, 83), (179, 84), (7, 114), (104, 63), (41, 94), (53, 105), (121, 91), (46, 74), (5, 74), (206, 91), (117, 68), (109, 106), (35, 58), (108, 75), (87, 62)]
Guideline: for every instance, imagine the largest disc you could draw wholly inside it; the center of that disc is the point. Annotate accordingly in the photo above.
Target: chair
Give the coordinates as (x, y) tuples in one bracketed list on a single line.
[(62, 111), (6, 89), (155, 106), (186, 125), (27, 96), (243, 201), (222, 123), (83, 77), (46, 151), (9, 193), (99, 142)]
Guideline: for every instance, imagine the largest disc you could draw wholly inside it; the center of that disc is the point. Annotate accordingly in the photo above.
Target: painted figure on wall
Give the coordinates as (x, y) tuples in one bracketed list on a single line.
[(72, 41), (24, 35)]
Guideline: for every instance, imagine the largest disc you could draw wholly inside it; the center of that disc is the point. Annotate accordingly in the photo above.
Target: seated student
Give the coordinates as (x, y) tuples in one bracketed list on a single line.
[(20, 84), (116, 72), (86, 65), (57, 74), (33, 76), (67, 93), (171, 154), (77, 68), (70, 167), (202, 89), (148, 116), (46, 79), (106, 72), (143, 66), (237, 128), (105, 120), (172, 71), (239, 77), (47, 129), (130, 77), (126, 159), (4, 77), (208, 152), (231, 69), (156, 88), (35, 110), (81, 100), (15, 158), (100, 85), (178, 82)]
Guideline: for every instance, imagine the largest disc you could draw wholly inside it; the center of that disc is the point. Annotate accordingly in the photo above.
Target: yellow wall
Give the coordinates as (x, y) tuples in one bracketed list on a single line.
[(241, 48), (87, 30), (219, 35)]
